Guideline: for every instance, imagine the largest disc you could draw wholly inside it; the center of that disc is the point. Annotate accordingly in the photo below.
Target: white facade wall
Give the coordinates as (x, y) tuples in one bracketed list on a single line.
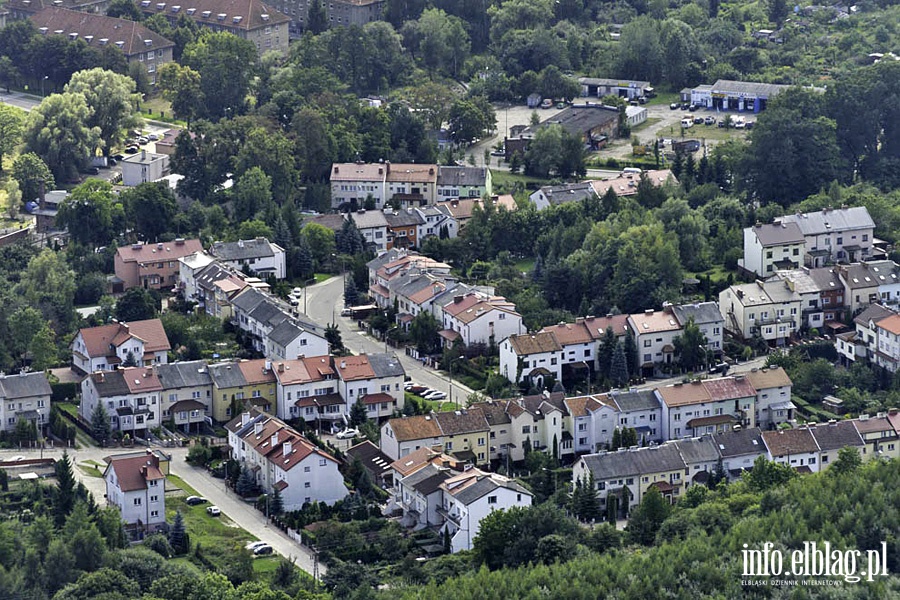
[(147, 505), (396, 449), (470, 516), (496, 324)]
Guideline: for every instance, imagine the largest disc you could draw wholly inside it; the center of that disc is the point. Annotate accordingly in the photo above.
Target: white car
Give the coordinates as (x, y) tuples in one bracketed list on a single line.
[(254, 545), (435, 395), (213, 511), (347, 434)]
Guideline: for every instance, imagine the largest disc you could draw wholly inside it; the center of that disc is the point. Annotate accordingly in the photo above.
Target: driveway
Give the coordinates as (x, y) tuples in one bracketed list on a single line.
[(325, 302)]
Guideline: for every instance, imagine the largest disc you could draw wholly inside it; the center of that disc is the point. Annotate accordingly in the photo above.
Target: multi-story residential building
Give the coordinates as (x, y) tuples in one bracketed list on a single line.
[(293, 337), (454, 183), (307, 389), (144, 167), (106, 347), (130, 396), (338, 13), (438, 222), (773, 397), (229, 389), (708, 406), (538, 421), (23, 9), (768, 309), (738, 449), (263, 318), (264, 27), (186, 395), (640, 410), (833, 235), (578, 348), (554, 195), (404, 436), (831, 437), (136, 486), (420, 497), (189, 268), (411, 185), (772, 247), (701, 459), (373, 226), (217, 286), (531, 358), (260, 256), (862, 342), (707, 318), (626, 475), (151, 266), (260, 391), (819, 291), (403, 227), (654, 333), (887, 332), (471, 496), (415, 292), (465, 434), (376, 380), (831, 295), (24, 396), (796, 448), (480, 319), (353, 183), (284, 460), (579, 423), (869, 282), (880, 436), (140, 45), (463, 209)]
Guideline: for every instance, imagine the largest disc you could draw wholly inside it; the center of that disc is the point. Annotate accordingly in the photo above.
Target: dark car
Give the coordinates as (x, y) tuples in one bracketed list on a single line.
[(693, 107), (719, 369), (263, 550), (673, 106), (685, 105), (91, 171), (749, 124), (698, 120), (132, 150), (194, 500), (118, 156)]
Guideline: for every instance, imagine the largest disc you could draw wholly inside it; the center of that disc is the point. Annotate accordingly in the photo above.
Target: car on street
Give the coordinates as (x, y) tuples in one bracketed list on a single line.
[(194, 500), (693, 107), (347, 434), (416, 389), (251, 546), (91, 171), (152, 137), (547, 103), (213, 511), (263, 550), (132, 150), (698, 120), (673, 106), (710, 120), (143, 140), (435, 395), (346, 312), (719, 369), (685, 105), (496, 152)]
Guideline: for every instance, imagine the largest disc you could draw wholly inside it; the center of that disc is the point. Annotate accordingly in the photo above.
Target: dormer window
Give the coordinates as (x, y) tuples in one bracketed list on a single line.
[(161, 6), (176, 8), (191, 11), (206, 13), (236, 19), (264, 16), (145, 3), (58, 31), (221, 16), (120, 44), (43, 30), (104, 41), (148, 42), (73, 36), (89, 38)]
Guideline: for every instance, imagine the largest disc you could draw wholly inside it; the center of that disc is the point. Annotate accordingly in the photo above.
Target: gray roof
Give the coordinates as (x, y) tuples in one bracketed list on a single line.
[(702, 313), (832, 220), (483, 486), (759, 293), (427, 480), (24, 385), (289, 330), (697, 450), (110, 384), (227, 375), (571, 192), (212, 273), (826, 279), (183, 374), (614, 82), (386, 365), (777, 234), (385, 258), (801, 280), (579, 119), (248, 299), (763, 90), (871, 274), (243, 249), (873, 312), (740, 442), (462, 176), (404, 218), (368, 219), (834, 436), (634, 400), (269, 313), (655, 459)]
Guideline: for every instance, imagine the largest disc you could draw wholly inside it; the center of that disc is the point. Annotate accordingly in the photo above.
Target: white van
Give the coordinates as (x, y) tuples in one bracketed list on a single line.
[(685, 123), (631, 171)]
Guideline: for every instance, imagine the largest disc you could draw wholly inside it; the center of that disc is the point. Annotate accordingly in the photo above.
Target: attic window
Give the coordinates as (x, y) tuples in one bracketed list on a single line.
[(221, 16), (646, 326), (43, 30), (206, 14), (88, 38), (161, 6), (120, 44), (176, 8), (58, 31), (755, 443), (137, 382), (264, 16), (73, 36), (145, 3), (148, 42), (191, 11), (236, 19), (104, 41)]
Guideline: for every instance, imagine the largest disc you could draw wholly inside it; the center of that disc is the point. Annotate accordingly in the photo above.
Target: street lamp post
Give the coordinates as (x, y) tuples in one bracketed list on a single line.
[(46, 77), (451, 378)]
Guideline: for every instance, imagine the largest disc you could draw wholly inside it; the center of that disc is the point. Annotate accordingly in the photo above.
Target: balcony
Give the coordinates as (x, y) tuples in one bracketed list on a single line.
[(454, 517)]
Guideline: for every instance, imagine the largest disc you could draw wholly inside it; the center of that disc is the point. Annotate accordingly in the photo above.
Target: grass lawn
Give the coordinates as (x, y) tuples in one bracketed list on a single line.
[(507, 180), (159, 109), (210, 532), (68, 407), (665, 98), (89, 470), (704, 132), (650, 121), (525, 265), (320, 277), (180, 484)]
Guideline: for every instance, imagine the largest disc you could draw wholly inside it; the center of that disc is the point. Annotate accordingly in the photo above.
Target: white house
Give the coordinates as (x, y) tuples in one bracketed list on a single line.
[(260, 256), (374, 228), (700, 456), (131, 398), (708, 406), (136, 485), (401, 437), (284, 460), (869, 282), (292, 338), (772, 247), (479, 319), (353, 183), (887, 332), (531, 357), (796, 448), (144, 167), (420, 497), (186, 395), (739, 449), (654, 333), (707, 318), (770, 309), (307, 389), (189, 267), (844, 234), (376, 380), (773, 396), (108, 346), (470, 496), (24, 396)]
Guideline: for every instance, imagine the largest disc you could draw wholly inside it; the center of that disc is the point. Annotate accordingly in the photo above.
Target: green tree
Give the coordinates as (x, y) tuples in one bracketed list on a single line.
[(246, 484), (92, 213), (848, 461), (766, 474), (124, 9), (65, 489), (100, 427), (254, 228), (618, 368), (9, 73), (471, 118), (554, 151), (276, 503), (252, 193), (151, 208), (32, 173), (105, 583), (358, 414), (320, 241), (180, 85), (49, 285), (12, 120), (113, 102), (351, 295), (648, 517), (57, 131), (178, 536), (424, 332), (690, 346), (438, 40), (333, 337), (23, 325), (136, 304), (317, 20), (226, 64)]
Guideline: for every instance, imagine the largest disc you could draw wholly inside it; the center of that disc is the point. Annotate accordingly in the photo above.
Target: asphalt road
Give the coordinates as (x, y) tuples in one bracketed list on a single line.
[(324, 304), (244, 515)]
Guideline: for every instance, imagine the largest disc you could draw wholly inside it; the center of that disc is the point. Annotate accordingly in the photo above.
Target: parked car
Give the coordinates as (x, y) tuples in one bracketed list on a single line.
[(721, 124), (152, 137), (673, 106), (194, 500), (118, 156), (685, 105), (345, 312), (251, 546), (142, 140), (132, 150), (347, 434), (263, 550), (547, 103), (698, 120), (111, 162), (719, 369), (416, 389), (91, 171), (213, 511), (749, 124), (693, 107), (710, 120), (435, 395)]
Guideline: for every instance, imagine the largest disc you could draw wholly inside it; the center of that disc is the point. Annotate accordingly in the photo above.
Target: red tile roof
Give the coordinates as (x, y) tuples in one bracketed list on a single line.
[(133, 472), (415, 428), (255, 371), (156, 252), (151, 332), (570, 333), (297, 371), (141, 379), (128, 36), (377, 398), (352, 368)]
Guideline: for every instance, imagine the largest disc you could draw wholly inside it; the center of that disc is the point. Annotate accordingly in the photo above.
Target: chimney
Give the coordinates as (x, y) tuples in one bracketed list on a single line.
[(245, 418), (257, 427), (268, 366), (281, 367), (274, 440), (287, 448), (143, 155), (648, 311), (457, 299), (343, 364)]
